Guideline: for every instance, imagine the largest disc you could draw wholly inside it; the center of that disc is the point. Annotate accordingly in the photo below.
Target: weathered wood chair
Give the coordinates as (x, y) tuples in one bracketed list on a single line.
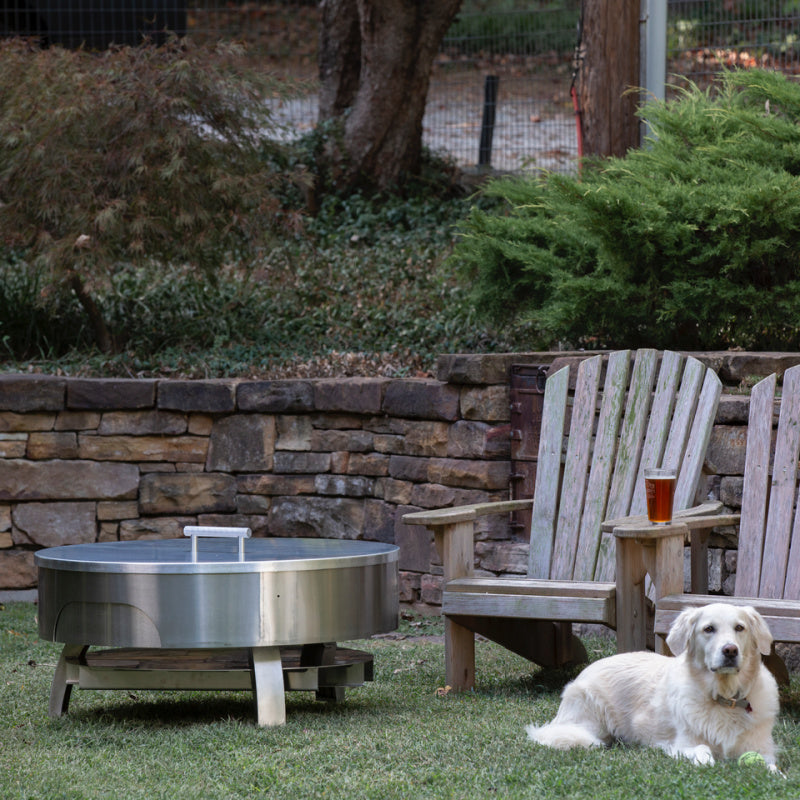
[(641, 417), (768, 562)]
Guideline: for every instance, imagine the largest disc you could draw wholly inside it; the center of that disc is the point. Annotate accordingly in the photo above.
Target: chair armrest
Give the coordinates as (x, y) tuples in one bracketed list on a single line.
[(695, 517), (453, 531), (437, 517)]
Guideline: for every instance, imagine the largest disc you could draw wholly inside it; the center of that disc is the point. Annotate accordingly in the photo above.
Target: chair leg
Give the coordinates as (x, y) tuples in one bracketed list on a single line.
[(777, 666), (459, 650)]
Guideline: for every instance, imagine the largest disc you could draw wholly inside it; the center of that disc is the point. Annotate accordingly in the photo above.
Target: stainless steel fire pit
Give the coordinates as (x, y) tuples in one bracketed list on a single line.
[(218, 610)]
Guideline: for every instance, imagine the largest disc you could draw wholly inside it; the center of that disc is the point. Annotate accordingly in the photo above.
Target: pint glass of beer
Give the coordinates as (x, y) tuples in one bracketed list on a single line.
[(659, 486)]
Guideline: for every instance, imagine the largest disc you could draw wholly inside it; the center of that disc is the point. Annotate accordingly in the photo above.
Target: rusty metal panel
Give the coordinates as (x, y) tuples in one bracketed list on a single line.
[(527, 400)]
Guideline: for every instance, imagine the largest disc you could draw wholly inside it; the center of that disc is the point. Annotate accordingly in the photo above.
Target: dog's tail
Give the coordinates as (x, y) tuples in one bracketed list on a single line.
[(563, 735)]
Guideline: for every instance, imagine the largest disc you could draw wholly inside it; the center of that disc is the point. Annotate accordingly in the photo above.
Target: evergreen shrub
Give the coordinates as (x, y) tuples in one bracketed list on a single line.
[(691, 242)]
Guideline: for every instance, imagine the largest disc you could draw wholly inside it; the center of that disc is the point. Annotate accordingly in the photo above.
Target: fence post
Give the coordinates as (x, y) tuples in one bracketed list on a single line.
[(487, 125)]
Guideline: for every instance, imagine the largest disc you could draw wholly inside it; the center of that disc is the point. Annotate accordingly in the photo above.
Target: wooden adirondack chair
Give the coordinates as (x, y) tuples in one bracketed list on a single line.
[(641, 417), (768, 562)]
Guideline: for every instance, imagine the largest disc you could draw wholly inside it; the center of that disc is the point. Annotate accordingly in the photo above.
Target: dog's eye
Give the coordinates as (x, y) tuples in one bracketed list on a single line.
[(739, 628), (709, 629)]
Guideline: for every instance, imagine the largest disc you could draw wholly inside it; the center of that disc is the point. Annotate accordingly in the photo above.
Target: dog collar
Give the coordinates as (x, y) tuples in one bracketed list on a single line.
[(735, 702)]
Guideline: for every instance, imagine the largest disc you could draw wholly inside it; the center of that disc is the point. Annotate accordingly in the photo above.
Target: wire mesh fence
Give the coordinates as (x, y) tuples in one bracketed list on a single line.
[(705, 36), (504, 62)]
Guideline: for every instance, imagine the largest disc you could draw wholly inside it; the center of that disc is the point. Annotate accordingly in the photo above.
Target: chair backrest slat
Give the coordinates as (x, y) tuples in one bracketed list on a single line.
[(697, 436), (755, 489), (628, 456), (548, 474), (634, 427), (659, 429), (783, 490), (602, 466), (650, 419), (576, 468)]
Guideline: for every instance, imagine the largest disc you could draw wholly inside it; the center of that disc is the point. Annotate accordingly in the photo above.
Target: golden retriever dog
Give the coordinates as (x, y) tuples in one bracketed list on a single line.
[(713, 700)]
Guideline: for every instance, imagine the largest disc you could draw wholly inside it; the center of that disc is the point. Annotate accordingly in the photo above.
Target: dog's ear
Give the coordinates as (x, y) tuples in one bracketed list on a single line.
[(680, 634), (761, 632)]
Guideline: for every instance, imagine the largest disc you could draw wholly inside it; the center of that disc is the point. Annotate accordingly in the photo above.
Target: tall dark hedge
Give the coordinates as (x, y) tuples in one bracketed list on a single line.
[(691, 242)]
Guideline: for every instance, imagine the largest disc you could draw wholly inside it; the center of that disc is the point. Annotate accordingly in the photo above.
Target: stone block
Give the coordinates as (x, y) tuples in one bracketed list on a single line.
[(737, 366), (142, 423), (432, 495), (730, 491), (486, 368), (469, 474), (430, 590), (252, 504), (107, 393), (32, 393), (311, 463), (354, 441), (166, 493), (116, 510), (733, 409), (154, 528), (13, 445), (275, 484), (67, 480), (339, 462), (10, 422), (169, 449), (200, 424), (52, 444), (5, 518), (54, 524), (485, 403), (209, 397), (373, 464), (77, 421), (344, 485), (408, 587), (408, 468), (17, 569), (275, 397), (109, 532), (726, 450), (393, 491), (469, 439), (242, 443), (336, 422), (324, 517), (421, 399), (379, 521), (354, 395), (294, 433), (503, 557), (258, 523), (6, 540)]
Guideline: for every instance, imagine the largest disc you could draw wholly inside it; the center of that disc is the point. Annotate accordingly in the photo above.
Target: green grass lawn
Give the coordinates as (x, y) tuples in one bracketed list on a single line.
[(394, 738)]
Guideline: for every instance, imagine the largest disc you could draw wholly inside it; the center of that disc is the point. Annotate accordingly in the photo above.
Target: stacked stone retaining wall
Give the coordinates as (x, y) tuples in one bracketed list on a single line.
[(85, 460)]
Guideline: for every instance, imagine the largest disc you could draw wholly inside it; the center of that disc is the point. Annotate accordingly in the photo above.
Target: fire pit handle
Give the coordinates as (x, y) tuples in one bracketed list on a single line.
[(209, 531)]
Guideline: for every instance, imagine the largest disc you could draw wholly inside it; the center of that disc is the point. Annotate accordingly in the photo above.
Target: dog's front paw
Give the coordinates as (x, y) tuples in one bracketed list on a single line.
[(700, 755)]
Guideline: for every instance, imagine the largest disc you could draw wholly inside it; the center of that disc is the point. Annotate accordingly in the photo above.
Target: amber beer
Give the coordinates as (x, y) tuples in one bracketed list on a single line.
[(659, 485)]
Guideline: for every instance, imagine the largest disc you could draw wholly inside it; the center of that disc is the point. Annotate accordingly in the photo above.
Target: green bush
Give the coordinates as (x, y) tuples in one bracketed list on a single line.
[(692, 241)]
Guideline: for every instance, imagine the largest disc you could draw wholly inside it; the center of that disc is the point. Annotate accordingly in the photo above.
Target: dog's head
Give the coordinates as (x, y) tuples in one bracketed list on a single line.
[(720, 637)]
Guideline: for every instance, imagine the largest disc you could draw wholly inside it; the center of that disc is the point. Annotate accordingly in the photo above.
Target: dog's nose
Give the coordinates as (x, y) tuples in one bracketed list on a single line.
[(730, 651)]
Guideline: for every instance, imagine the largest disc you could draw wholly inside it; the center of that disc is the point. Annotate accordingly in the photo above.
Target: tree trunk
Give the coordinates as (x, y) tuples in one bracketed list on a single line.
[(609, 68), (102, 336), (381, 112)]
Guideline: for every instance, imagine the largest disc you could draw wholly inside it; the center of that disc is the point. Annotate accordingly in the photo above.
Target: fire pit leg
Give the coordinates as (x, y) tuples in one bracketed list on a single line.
[(63, 679), (268, 685)]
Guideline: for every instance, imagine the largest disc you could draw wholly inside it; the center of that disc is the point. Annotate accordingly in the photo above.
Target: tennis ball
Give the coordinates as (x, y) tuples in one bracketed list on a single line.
[(751, 758)]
